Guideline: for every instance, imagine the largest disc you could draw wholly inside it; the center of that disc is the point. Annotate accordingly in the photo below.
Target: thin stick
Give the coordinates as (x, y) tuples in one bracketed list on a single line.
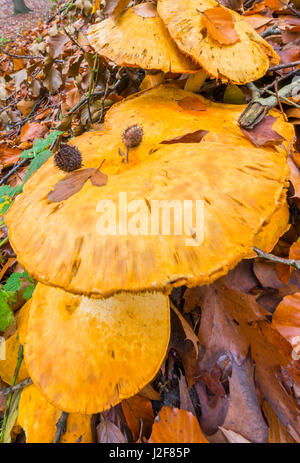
[(94, 72), (15, 388), (13, 170), (21, 56), (273, 30), (17, 369), (283, 66), (280, 260), (73, 40), (61, 427)]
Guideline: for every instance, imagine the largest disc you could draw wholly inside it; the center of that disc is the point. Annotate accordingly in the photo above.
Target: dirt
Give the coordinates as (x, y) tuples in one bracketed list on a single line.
[(13, 25)]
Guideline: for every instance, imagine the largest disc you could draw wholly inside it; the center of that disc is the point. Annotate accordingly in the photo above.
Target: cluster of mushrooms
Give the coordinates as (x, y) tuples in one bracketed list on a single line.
[(97, 328)]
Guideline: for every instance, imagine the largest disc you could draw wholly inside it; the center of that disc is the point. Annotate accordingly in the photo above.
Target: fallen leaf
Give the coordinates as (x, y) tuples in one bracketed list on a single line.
[(173, 426), (32, 130), (69, 185), (277, 432), (192, 103), (263, 134), (8, 155), (234, 437), (115, 7), (220, 25), (56, 44), (139, 416), (53, 80), (146, 10), (109, 433), (98, 178), (25, 107), (191, 137)]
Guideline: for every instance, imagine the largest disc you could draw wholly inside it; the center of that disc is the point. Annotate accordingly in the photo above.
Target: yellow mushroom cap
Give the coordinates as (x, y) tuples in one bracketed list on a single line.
[(241, 186), (242, 62), (137, 41), (86, 355), (12, 345), (38, 418)]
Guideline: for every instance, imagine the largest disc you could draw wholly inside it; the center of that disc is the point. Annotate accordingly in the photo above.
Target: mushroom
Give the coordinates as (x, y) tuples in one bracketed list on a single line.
[(241, 62), (114, 333), (137, 40), (38, 418), (102, 350), (12, 344)]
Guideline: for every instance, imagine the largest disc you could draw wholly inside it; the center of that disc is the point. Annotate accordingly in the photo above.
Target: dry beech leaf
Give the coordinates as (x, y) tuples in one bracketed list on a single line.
[(109, 433), (32, 130), (56, 44), (69, 185), (234, 437), (220, 25), (176, 426), (9, 155), (146, 10), (191, 103), (98, 178), (114, 7), (192, 137), (139, 416), (263, 134)]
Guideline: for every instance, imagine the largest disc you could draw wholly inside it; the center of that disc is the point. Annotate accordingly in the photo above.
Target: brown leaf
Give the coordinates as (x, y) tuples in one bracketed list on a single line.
[(53, 80), (56, 44), (192, 103), (146, 10), (139, 416), (98, 178), (8, 155), (176, 426), (220, 25), (115, 7), (69, 185), (32, 130), (263, 134), (109, 433), (191, 137), (25, 107)]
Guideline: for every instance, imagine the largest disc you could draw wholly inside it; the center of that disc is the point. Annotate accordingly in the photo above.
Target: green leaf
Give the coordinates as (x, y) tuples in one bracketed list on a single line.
[(13, 283), (28, 291), (6, 315), (37, 163)]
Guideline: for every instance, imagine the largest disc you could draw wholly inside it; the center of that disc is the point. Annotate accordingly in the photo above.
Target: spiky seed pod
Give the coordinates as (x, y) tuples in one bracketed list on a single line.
[(68, 158), (132, 136)]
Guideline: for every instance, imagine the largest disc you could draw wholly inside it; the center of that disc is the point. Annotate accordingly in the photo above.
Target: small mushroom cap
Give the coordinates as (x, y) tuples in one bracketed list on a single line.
[(241, 185), (12, 344), (38, 418), (86, 355), (138, 41), (239, 63)]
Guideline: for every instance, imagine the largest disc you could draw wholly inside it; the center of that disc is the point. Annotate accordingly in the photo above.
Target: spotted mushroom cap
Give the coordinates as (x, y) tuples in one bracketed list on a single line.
[(242, 62), (137, 40), (241, 185), (106, 350)]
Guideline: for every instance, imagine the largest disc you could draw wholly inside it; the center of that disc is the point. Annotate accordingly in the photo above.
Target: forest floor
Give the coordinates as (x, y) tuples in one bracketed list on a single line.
[(13, 25)]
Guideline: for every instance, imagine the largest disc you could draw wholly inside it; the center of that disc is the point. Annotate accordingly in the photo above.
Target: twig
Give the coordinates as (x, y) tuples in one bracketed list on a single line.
[(283, 66), (291, 8), (273, 30), (21, 56), (73, 40), (8, 403), (61, 427), (15, 388), (104, 97), (82, 102), (94, 72), (258, 107), (284, 99), (3, 242), (255, 91), (65, 7), (13, 170), (279, 102), (280, 260)]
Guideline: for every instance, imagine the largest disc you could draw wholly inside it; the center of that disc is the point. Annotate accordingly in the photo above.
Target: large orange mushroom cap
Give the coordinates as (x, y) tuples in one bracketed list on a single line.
[(244, 61), (38, 418), (86, 355), (137, 40), (241, 186)]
